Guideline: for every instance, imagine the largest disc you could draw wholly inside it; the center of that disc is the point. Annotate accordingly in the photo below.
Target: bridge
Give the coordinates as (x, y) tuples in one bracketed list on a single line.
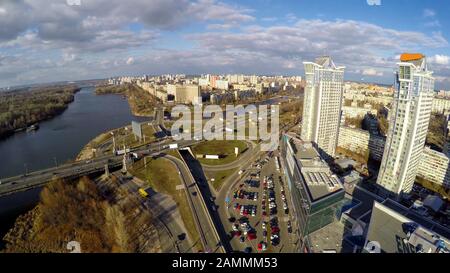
[(77, 169)]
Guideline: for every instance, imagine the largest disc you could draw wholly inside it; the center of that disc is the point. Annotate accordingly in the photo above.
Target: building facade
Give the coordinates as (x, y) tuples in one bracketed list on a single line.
[(434, 167), (361, 142), (322, 104), (408, 126), (317, 194), (440, 105), (188, 93)]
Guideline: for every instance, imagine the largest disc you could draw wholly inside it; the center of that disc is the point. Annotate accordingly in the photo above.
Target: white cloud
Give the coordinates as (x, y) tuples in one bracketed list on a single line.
[(440, 59), (130, 61), (371, 72), (429, 13)]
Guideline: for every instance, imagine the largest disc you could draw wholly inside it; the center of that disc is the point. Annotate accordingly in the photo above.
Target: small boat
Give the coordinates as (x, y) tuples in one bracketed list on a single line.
[(33, 127)]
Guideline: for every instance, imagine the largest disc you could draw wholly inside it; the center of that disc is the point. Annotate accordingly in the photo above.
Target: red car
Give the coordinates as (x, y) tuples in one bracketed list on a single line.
[(237, 234), (275, 229), (251, 236)]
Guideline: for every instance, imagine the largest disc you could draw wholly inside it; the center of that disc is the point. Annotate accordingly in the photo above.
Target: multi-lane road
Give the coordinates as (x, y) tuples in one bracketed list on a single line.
[(75, 169)]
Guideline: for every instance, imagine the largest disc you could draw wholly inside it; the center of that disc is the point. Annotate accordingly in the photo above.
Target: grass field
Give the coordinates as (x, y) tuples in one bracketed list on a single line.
[(223, 148), (163, 177), (219, 177)]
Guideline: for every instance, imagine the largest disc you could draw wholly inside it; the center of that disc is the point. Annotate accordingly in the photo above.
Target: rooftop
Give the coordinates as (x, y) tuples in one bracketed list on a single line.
[(396, 231), (316, 174)]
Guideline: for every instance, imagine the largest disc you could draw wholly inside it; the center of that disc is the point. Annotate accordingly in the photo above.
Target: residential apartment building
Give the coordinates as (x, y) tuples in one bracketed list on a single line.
[(434, 167), (361, 142), (322, 104), (408, 126), (184, 93), (440, 105)]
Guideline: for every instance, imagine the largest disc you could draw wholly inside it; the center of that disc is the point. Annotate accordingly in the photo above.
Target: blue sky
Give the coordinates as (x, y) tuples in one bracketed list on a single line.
[(103, 38)]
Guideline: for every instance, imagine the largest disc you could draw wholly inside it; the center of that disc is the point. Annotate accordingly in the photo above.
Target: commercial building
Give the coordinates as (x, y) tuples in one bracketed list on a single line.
[(397, 229), (184, 93), (317, 193), (408, 125), (322, 104)]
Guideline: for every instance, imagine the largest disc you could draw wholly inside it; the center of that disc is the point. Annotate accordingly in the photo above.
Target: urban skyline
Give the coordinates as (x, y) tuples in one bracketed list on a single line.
[(218, 126), (99, 40)]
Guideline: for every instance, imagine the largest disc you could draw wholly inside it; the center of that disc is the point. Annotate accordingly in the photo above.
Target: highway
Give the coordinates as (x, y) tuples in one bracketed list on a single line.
[(76, 169), (205, 225)]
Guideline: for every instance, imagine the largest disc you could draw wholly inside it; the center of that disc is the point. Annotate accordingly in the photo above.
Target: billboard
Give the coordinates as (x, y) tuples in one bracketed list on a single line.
[(137, 129)]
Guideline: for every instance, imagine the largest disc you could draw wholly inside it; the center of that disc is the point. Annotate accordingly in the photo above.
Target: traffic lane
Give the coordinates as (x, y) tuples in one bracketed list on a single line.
[(209, 198), (213, 244), (204, 223)]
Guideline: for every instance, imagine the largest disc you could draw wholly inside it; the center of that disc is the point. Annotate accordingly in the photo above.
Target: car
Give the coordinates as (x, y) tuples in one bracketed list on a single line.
[(275, 229), (235, 227), (285, 207), (248, 250), (242, 239), (213, 207), (289, 227), (263, 225), (194, 193), (251, 236), (262, 246), (274, 236), (255, 197), (264, 213), (232, 219), (264, 233)]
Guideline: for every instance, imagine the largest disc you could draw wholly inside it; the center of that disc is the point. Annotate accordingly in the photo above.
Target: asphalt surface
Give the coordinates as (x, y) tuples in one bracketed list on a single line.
[(205, 226), (286, 238)]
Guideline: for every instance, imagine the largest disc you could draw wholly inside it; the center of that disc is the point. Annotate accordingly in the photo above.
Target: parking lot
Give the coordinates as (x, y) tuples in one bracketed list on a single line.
[(259, 219)]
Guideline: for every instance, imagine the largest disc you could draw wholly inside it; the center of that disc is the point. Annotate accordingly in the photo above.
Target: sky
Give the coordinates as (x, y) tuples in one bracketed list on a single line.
[(58, 40)]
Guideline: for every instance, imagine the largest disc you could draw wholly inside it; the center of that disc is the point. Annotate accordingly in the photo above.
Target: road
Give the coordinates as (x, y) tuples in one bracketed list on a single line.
[(208, 234), (76, 169)]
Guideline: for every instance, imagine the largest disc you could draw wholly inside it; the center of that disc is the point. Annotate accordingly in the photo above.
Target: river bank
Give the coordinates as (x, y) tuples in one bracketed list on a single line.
[(23, 108), (141, 103)]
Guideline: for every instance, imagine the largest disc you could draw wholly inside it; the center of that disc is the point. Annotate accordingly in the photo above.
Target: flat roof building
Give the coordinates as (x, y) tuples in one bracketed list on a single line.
[(396, 229), (317, 193)]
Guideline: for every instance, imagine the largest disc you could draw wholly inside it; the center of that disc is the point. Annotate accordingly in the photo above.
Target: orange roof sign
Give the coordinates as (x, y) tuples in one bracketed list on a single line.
[(405, 57)]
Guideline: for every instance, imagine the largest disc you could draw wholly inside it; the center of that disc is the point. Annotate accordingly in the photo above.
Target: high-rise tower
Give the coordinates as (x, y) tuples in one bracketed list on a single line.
[(322, 104), (408, 124)]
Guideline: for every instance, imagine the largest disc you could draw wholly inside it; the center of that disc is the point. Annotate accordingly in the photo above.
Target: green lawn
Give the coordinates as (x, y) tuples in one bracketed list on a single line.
[(220, 177), (223, 148), (163, 177)]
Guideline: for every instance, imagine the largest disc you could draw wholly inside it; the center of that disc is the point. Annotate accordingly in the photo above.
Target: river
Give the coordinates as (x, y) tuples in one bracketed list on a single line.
[(58, 140)]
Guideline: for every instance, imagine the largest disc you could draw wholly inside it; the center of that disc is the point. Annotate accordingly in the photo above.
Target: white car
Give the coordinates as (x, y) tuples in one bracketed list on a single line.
[(263, 225), (235, 227), (285, 207), (273, 236)]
